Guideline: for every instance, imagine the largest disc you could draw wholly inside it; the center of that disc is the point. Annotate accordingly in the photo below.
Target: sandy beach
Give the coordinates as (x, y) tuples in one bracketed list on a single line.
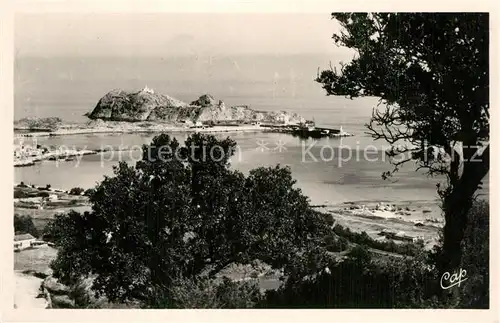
[(418, 219)]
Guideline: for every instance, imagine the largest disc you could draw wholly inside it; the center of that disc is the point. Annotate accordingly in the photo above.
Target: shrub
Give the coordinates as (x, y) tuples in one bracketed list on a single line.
[(475, 259), (358, 282), (20, 194), (76, 191), (24, 224), (407, 248), (43, 194), (336, 244), (209, 293)]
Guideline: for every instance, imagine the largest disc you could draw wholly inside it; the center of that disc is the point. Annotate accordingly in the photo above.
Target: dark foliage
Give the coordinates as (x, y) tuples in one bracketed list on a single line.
[(21, 194), (183, 213), (24, 224), (76, 191), (475, 261), (407, 248), (203, 292), (22, 185)]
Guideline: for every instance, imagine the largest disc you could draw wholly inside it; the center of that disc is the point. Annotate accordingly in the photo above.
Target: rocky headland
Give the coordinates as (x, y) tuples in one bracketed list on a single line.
[(147, 105)]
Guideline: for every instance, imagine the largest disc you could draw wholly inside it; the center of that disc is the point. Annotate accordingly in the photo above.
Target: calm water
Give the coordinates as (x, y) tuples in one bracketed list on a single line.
[(69, 87)]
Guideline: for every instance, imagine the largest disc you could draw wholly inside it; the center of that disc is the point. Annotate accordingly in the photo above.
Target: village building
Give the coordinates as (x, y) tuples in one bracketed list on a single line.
[(23, 241)]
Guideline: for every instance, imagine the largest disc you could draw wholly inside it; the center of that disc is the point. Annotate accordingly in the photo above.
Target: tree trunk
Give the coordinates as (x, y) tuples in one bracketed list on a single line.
[(456, 205)]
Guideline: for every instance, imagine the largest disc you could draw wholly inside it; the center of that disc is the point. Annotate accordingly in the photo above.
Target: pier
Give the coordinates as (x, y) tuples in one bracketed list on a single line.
[(311, 131)]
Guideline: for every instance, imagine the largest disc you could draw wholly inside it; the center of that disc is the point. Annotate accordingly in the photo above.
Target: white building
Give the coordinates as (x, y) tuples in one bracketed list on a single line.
[(23, 241), (148, 90)]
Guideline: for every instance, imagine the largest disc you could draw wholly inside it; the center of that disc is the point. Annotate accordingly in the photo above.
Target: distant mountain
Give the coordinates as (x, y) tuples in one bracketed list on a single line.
[(147, 105)]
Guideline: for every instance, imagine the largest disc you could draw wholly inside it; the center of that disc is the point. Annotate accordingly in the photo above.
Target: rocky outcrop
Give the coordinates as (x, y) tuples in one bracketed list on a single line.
[(54, 287), (79, 295), (119, 105), (146, 105), (38, 124)]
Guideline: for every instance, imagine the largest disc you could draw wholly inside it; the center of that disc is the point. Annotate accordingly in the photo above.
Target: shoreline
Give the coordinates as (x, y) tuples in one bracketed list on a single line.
[(57, 155), (136, 129), (144, 127)]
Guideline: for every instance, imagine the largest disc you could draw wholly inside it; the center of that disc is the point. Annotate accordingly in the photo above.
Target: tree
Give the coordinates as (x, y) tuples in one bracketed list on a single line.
[(76, 191), (24, 224), (431, 73), (182, 213)]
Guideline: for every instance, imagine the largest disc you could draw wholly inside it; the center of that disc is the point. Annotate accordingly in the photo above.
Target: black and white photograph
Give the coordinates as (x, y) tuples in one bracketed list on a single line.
[(251, 160)]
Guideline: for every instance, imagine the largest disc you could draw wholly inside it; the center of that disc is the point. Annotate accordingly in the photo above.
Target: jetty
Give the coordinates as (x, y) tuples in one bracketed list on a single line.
[(24, 159), (308, 130)]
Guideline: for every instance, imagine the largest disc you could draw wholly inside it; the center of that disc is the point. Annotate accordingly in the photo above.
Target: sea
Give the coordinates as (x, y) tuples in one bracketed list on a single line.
[(328, 171)]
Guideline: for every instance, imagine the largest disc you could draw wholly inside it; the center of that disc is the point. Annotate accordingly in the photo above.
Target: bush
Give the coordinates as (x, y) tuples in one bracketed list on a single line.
[(43, 194), (475, 258), (208, 293), (89, 192), (24, 224), (336, 244), (20, 194), (22, 185), (358, 282), (76, 191), (407, 248)]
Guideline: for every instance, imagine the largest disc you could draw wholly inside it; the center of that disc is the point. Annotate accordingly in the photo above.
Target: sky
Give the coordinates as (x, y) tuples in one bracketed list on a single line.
[(169, 34)]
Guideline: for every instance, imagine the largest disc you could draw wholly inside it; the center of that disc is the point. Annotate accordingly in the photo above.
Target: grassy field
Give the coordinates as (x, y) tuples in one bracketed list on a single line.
[(36, 259)]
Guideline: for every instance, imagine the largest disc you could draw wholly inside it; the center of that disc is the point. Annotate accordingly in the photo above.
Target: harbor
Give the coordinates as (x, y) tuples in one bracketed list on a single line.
[(308, 130)]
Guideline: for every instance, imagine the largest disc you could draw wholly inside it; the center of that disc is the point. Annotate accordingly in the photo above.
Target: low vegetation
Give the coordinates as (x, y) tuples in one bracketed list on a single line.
[(362, 238), (76, 191)]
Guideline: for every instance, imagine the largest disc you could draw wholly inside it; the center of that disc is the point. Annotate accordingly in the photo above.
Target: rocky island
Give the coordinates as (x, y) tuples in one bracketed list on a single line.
[(146, 111), (147, 105)]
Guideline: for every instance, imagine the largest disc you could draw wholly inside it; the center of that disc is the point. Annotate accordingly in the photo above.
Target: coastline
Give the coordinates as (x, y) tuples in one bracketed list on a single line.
[(103, 127), (137, 129)]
